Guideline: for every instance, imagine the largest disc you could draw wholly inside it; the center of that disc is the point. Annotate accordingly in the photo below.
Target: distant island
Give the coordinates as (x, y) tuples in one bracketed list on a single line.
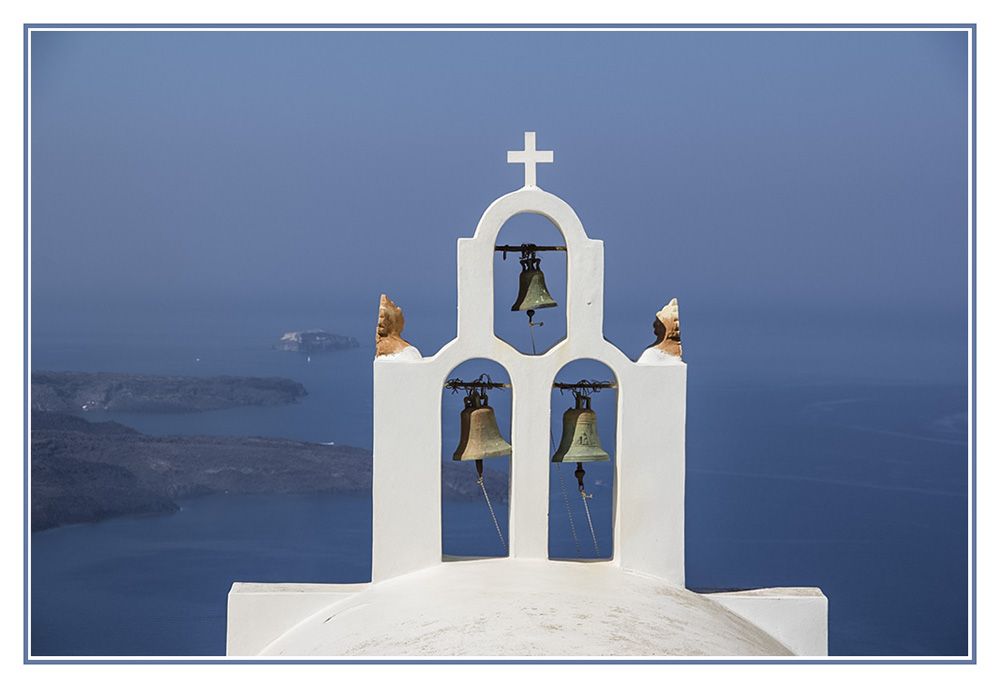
[(83, 472), (315, 341), (73, 392)]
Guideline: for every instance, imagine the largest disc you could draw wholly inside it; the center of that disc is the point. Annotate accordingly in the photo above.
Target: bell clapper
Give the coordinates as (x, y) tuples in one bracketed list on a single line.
[(579, 473), (531, 314), (531, 329)]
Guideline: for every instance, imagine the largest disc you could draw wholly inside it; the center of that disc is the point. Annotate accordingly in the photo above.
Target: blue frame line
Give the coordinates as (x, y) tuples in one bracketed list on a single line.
[(408, 660), (972, 363), (27, 375), (611, 27)]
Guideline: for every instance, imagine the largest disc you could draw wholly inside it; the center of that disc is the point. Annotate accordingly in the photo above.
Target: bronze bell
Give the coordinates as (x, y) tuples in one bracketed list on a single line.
[(579, 439), (481, 437), (532, 293)]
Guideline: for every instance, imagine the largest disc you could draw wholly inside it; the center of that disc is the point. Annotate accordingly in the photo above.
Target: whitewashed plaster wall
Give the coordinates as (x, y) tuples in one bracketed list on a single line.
[(648, 511), (797, 617)]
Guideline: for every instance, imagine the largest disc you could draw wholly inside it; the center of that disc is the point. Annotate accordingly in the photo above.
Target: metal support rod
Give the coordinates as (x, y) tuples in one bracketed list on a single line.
[(526, 249), (592, 385), (483, 382), (456, 384)]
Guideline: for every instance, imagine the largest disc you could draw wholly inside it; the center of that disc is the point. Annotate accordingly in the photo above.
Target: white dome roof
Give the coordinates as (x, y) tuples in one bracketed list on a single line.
[(518, 608)]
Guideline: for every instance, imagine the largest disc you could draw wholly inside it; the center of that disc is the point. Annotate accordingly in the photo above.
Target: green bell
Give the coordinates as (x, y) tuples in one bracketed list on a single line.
[(480, 438), (531, 292), (579, 439)]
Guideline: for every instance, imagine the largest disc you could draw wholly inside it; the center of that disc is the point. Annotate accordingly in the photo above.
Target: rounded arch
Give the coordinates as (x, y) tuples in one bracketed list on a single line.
[(584, 267), (534, 200), (581, 518), (474, 524)]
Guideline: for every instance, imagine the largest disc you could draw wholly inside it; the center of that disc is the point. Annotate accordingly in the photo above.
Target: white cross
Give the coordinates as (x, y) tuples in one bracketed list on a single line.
[(529, 157)]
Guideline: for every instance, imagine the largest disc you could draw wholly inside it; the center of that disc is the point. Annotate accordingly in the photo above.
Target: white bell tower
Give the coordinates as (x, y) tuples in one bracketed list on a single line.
[(420, 602), (649, 466)]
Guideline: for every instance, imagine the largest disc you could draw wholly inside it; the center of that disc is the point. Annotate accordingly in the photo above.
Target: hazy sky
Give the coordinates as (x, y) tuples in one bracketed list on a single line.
[(819, 175)]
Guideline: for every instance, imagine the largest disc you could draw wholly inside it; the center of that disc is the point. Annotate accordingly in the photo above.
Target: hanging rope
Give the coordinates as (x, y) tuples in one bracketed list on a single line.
[(592, 533), (531, 330), (569, 513), (495, 522)]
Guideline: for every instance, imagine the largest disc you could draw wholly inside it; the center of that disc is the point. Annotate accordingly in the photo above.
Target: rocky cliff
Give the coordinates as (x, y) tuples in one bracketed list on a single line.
[(84, 472), (73, 392)]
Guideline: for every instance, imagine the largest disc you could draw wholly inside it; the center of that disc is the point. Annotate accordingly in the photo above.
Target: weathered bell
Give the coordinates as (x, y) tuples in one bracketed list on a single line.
[(531, 293), (579, 439), (481, 437)]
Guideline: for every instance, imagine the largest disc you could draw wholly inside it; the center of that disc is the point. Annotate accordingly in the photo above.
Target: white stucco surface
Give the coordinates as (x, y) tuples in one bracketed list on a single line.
[(258, 613), (656, 357), (512, 608), (795, 616)]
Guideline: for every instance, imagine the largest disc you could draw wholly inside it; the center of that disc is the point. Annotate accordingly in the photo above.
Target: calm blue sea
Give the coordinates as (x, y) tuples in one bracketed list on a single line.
[(854, 484)]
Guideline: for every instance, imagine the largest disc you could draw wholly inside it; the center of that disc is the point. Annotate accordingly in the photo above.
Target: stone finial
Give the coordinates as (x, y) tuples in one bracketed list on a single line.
[(667, 328), (390, 327)]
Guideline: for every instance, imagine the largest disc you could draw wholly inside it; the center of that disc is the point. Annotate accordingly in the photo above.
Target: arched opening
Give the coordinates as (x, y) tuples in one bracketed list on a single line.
[(585, 443), (547, 324), (474, 513)]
